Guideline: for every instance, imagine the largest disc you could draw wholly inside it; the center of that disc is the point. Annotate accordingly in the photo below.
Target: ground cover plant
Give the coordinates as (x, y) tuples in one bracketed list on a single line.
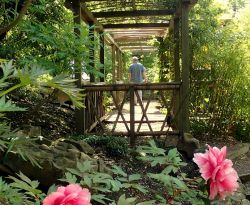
[(171, 186)]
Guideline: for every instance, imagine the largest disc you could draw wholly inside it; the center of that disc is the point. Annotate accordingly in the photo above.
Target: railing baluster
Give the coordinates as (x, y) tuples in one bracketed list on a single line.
[(132, 116)]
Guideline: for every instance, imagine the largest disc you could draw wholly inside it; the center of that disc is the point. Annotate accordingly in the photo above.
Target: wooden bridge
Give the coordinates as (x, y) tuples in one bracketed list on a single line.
[(152, 18), (128, 119)]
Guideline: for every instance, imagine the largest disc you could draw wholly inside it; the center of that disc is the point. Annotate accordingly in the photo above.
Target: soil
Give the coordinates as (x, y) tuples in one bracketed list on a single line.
[(55, 121)]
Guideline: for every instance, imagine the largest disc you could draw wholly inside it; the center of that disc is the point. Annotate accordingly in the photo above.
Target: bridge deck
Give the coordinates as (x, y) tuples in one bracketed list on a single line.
[(154, 115)]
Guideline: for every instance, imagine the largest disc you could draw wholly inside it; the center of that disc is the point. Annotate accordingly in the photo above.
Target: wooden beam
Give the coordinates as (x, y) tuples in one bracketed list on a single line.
[(110, 41), (92, 50), (127, 86), (137, 47), (79, 113), (177, 72), (113, 63), (135, 43), (133, 39), (185, 69), (137, 25), (132, 116), (102, 69), (87, 16), (116, 37), (117, 64), (140, 49), (134, 13)]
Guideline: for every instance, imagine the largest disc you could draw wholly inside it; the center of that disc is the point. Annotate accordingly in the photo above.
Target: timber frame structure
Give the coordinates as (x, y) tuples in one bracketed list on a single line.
[(131, 23)]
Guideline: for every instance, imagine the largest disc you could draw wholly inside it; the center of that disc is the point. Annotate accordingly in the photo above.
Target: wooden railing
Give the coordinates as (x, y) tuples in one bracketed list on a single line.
[(94, 112)]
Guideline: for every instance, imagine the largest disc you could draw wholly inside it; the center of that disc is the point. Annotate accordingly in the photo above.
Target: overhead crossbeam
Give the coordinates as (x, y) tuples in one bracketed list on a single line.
[(132, 39), (137, 25), (137, 13)]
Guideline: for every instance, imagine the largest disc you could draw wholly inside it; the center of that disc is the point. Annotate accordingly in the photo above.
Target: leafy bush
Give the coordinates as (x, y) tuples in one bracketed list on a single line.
[(242, 130), (13, 79), (199, 127), (112, 145), (107, 188)]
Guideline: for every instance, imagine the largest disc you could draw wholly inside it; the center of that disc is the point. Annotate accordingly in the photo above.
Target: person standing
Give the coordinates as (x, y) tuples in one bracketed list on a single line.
[(137, 74)]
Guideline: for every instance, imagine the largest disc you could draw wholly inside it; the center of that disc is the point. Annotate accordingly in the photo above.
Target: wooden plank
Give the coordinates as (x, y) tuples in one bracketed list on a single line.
[(102, 70), (87, 16), (117, 64), (177, 71), (165, 105), (119, 110), (95, 114), (92, 49), (132, 116), (95, 124), (113, 63), (136, 121), (146, 133), (124, 87), (140, 49), (133, 39), (136, 25), (134, 13), (144, 113), (79, 113)]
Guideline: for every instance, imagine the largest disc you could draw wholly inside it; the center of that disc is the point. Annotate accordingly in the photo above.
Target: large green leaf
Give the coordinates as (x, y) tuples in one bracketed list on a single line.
[(8, 106)]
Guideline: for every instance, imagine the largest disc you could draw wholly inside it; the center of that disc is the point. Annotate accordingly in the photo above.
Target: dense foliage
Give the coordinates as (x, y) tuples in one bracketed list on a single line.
[(220, 66)]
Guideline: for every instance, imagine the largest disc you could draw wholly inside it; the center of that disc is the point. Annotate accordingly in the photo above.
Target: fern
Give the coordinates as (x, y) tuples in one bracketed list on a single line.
[(31, 75), (8, 106), (22, 191), (8, 73)]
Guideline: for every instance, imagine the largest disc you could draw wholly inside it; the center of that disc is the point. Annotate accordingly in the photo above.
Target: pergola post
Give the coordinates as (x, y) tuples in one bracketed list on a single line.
[(185, 67), (124, 69), (120, 65), (79, 113), (177, 71), (102, 69), (113, 63), (92, 50), (118, 68)]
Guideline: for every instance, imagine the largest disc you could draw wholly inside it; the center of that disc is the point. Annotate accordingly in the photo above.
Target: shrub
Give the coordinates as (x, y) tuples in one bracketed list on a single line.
[(113, 146), (199, 127), (242, 130)]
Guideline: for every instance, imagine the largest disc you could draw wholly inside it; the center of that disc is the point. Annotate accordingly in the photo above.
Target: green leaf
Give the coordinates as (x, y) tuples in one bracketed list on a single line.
[(87, 181), (51, 189), (85, 167), (140, 188), (118, 171), (172, 153), (180, 184), (134, 177), (101, 198), (70, 178), (147, 203), (8, 106), (116, 185), (126, 201)]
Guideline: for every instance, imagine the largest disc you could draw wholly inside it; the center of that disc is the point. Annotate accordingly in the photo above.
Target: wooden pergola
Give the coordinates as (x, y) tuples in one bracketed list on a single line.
[(131, 23)]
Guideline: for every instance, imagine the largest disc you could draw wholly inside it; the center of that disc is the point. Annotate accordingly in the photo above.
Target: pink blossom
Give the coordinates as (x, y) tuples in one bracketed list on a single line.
[(218, 171), (72, 194)]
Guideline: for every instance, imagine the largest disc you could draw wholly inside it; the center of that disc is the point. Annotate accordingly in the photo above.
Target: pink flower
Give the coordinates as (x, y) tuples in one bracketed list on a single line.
[(72, 194), (218, 171)]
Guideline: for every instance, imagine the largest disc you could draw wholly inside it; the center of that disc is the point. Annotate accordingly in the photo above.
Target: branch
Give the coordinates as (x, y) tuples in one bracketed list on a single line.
[(19, 18)]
